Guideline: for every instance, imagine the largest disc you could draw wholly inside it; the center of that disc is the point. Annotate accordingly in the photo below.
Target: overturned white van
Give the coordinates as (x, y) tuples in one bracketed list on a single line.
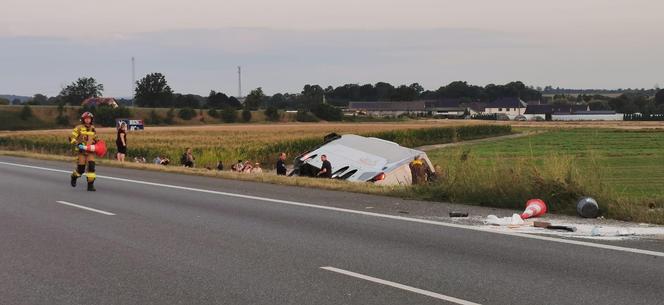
[(362, 159)]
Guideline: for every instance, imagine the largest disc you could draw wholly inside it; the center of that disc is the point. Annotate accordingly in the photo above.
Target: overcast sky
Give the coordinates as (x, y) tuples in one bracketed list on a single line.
[(284, 44)]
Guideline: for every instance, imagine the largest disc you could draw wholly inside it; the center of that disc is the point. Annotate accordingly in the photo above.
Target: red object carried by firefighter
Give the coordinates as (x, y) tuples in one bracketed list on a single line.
[(99, 148)]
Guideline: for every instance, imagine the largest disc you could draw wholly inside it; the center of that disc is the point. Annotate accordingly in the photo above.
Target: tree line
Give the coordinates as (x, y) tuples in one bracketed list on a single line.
[(153, 91)]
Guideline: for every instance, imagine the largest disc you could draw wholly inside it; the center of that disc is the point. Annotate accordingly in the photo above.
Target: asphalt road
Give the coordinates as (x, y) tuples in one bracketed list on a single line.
[(195, 240)]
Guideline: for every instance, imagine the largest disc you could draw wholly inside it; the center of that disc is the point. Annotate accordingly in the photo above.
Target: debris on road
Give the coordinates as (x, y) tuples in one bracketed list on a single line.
[(534, 208), (587, 207), (504, 221), (564, 228), (458, 214), (541, 224)]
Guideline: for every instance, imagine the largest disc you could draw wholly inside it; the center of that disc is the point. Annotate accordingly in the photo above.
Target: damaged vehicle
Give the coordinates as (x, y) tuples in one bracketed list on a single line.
[(362, 159)]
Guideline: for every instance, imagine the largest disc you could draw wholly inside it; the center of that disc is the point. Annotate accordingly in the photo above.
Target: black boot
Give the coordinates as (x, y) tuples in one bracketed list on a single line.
[(91, 186), (73, 180)]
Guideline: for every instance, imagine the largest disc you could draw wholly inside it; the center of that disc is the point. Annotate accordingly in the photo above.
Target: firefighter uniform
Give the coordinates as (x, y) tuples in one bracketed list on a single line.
[(84, 135)]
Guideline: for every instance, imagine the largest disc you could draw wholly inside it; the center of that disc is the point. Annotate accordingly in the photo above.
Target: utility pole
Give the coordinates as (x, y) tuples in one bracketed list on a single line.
[(239, 82), (133, 80)]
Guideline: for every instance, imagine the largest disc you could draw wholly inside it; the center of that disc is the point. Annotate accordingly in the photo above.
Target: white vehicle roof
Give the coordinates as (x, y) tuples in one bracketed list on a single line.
[(369, 156)]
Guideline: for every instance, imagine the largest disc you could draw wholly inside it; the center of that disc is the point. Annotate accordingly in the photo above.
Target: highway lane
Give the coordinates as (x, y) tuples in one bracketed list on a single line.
[(172, 246)]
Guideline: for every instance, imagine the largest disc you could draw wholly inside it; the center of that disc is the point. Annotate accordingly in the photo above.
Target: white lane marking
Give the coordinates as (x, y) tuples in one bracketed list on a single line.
[(400, 286), (85, 208), (424, 221)]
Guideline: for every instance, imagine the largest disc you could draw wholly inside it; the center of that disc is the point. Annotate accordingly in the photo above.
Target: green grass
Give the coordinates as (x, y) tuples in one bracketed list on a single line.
[(623, 170), (631, 163)]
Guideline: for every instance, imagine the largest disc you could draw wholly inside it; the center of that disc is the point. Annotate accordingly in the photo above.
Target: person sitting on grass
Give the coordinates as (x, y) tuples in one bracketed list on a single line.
[(164, 161), (188, 159), (237, 167), (257, 169), (247, 167)]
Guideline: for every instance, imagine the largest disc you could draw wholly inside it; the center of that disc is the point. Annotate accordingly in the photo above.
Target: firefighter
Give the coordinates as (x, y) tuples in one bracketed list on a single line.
[(82, 136)]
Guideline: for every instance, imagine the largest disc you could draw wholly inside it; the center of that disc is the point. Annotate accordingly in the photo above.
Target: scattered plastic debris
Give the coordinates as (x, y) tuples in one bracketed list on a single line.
[(504, 221)]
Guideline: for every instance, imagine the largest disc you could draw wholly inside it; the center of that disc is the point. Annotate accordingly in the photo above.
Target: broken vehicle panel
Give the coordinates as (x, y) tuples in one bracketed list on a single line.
[(362, 159)]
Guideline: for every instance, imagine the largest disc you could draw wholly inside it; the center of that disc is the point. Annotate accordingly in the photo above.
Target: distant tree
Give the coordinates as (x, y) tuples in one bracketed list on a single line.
[(599, 105), (153, 91), (384, 91), (405, 93), (327, 112), (659, 97), (311, 95), (81, 89), (26, 113), (187, 100), (4, 101), (234, 102), (255, 99), (246, 115), (38, 99), (217, 100), (16, 101), (272, 113), (278, 101)]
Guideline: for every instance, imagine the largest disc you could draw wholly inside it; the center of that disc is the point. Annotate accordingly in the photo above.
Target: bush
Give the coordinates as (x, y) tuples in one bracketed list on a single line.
[(154, 118), (246, 115), (213, 113), (26, 113), (272, 114), (186, 114), (327, 112), (170, 117), (229, 115), (305, 116)]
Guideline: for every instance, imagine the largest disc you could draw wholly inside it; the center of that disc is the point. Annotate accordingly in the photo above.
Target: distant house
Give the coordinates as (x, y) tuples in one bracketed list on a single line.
[(510, 106), (96, 101), (476, 107), (387, 108)]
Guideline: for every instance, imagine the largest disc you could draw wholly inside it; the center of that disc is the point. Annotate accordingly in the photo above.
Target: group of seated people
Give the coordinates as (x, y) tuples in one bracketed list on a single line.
[(247, 167)]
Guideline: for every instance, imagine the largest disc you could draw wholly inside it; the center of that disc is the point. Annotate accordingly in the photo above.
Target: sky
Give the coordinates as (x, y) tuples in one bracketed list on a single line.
[(282, 45)]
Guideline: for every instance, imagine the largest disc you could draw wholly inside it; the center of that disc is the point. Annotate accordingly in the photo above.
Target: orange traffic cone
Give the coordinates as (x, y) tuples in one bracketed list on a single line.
[(534, 208)]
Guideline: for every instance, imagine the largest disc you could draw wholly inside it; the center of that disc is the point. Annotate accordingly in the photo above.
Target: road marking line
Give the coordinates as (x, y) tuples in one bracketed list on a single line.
[(85, 208), (400, 286), (416, 220)]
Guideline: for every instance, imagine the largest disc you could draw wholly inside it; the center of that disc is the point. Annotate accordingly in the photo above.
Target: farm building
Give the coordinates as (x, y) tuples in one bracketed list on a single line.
[(510, 106), (444, 108), (449, 108)]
